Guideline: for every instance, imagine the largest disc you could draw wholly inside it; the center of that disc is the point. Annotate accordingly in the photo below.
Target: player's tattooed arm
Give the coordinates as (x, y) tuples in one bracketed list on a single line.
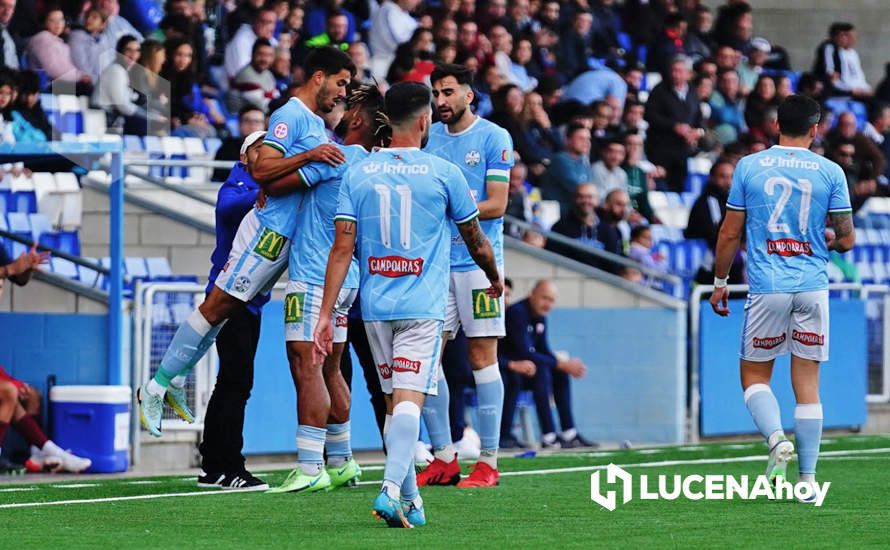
[(479, 247), (845, 235)]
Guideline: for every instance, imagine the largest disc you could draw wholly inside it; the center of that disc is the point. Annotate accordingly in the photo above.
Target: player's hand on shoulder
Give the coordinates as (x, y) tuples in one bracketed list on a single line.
[(328, 153), (720, 301)]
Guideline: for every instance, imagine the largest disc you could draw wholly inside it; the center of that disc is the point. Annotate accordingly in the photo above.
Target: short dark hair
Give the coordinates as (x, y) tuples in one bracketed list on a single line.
[(797, 114), (876, 110), (247, 109), (405, 100), (460, 73), (329, 60), (29, 82), (508, 282), (839, 27), (260, 43), (122, 42), (574, 127), (638, 230)]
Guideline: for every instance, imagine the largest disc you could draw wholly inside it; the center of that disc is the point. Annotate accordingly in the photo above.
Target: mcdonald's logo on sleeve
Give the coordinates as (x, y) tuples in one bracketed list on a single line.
[(484, 306)]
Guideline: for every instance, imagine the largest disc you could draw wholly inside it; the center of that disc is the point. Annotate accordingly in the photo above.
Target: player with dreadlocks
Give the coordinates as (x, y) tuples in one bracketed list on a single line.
[(323, 398)]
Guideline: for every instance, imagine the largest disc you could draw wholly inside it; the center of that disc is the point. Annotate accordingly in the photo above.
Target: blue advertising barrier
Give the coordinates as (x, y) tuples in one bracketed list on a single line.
[(842, 384)]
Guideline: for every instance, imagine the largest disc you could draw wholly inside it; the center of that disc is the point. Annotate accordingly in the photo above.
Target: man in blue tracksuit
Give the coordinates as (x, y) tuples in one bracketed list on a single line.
[(222, 462)]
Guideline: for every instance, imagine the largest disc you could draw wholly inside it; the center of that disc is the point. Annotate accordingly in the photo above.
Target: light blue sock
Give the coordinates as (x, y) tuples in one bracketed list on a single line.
[(490, 397), (410, 492), (337, 443), (764, 410), (400, 442), (808, 435), (435, 415), (205, 344), (185, 349), (310, 446)]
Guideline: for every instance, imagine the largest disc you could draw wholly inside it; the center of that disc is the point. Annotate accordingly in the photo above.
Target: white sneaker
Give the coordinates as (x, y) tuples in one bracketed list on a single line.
[(779, 457), (422, 454), (73, 463), (466, 450)]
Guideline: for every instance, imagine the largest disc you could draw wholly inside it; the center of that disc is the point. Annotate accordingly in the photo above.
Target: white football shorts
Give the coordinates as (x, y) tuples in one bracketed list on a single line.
[(470, 307), (257, 260), (302, 308), (776, 324), (406, 353)]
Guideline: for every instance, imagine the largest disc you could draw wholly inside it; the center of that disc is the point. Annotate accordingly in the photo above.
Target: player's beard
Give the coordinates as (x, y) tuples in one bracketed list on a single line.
[(455, 116), (322, 98)]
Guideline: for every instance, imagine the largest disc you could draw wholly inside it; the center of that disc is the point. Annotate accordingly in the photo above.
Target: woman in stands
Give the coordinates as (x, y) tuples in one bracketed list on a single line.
[(48, 51), (540, 140), (760, 103), (145, 77), (14, 128), (115, 95), (187, 102), (88, 44)]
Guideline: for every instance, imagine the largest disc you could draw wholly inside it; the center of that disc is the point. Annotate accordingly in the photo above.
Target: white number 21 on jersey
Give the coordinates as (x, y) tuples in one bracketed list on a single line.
[(787, 186), (385, 195)]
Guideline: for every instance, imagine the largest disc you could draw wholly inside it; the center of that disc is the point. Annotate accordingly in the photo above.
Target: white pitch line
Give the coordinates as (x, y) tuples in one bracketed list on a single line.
[(142, 482), (75, 485), (753, 458), (16, 489)]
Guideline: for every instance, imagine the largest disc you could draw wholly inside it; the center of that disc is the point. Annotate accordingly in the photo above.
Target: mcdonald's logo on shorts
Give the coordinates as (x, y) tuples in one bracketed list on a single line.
[(270, 244), (484, 306), (293, 307)]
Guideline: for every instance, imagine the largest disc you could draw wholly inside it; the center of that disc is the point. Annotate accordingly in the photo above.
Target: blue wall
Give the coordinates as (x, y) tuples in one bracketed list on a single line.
[(843, 379), (71, 346), (635, 387)]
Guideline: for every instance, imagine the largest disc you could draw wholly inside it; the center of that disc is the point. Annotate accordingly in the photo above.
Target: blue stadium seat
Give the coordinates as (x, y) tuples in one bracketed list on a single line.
[(18, 223), (158, 267), (5, 201), (88, 276), (212, 145), (39, 225), (133, 144), (135, 269), (63, 267), (71, 122), (22, 201)]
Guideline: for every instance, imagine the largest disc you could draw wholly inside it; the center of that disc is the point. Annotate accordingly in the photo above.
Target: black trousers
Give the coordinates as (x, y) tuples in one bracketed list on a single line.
[(459, 375), (224, 422), (543, 384), (358, 339)]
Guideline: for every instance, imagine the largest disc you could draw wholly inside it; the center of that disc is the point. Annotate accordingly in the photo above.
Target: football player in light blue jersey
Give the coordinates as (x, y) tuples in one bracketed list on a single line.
[(484, 153), (322, 393), (394, 208), (260, 248), (781, 197)]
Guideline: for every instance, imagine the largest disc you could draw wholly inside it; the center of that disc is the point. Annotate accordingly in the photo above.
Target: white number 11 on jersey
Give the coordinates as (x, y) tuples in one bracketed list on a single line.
[(806, 193), (385, 195)]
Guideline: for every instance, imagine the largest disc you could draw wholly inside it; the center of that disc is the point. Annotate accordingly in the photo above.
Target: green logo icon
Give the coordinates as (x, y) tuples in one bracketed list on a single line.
[(293, 307), (270, 244), (484, 306)]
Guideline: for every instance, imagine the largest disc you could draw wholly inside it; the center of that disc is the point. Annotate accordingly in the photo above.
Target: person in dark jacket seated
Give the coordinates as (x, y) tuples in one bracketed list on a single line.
[(579, 224), (250, 120), (526, 361)]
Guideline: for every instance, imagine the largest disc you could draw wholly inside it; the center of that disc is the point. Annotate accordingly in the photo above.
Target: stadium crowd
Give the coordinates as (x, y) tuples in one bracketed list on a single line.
[(601, 111)]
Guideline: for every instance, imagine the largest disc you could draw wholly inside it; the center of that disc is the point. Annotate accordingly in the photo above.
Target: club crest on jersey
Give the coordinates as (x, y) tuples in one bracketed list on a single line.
[(769, 342), (293, 307), (484, 306), (242, 284), (473, 158), (385, 371), (808, 338), (403, 364), (395, 266), (788, 247), (280, 130), (505, 155), (341, 321), (270, 244)]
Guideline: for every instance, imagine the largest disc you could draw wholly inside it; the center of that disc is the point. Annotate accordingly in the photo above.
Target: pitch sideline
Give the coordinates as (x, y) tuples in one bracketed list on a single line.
[(656, 464)]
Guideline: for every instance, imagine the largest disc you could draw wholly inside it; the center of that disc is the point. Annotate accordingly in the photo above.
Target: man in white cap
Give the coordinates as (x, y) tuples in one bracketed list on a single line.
[(751, 69)]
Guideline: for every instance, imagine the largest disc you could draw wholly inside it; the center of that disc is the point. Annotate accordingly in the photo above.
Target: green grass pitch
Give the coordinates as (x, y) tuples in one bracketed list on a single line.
[(547, 506)]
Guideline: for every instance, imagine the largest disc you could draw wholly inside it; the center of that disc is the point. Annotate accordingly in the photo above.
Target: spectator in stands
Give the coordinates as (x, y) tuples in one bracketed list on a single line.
[(539, 140), (877, 129), (413, 59), (751, 70), (727, 58), (358, 52), (579, 223), (318, 21), (669, 45), (861, 188), (245, 13), (698, 42), (89, 48), (336, 32), (281, 68), (508, 103), (838, 65), (115, 25), (48, 51), (575, 46), (526, 360), (518, 203), (601, 84), (641, 250), (868, 155), (633, 121), (468, 40), (9, 56), (145, 77), (811, 86), (761, 100), (446, 52), (548, 16), (519, 21), (568, 169), (115, 95), (607, 172), (882, 91), (28, 103), (391, 26), (522, 56), (250, 120), (14, 127), (604, 127), (239, 49), (187, 102), (674, 118), (727, 107), (706, 216), (612, 228), (255, 84), (641, 175), (19, 407), (783, 87), (734, 25)]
